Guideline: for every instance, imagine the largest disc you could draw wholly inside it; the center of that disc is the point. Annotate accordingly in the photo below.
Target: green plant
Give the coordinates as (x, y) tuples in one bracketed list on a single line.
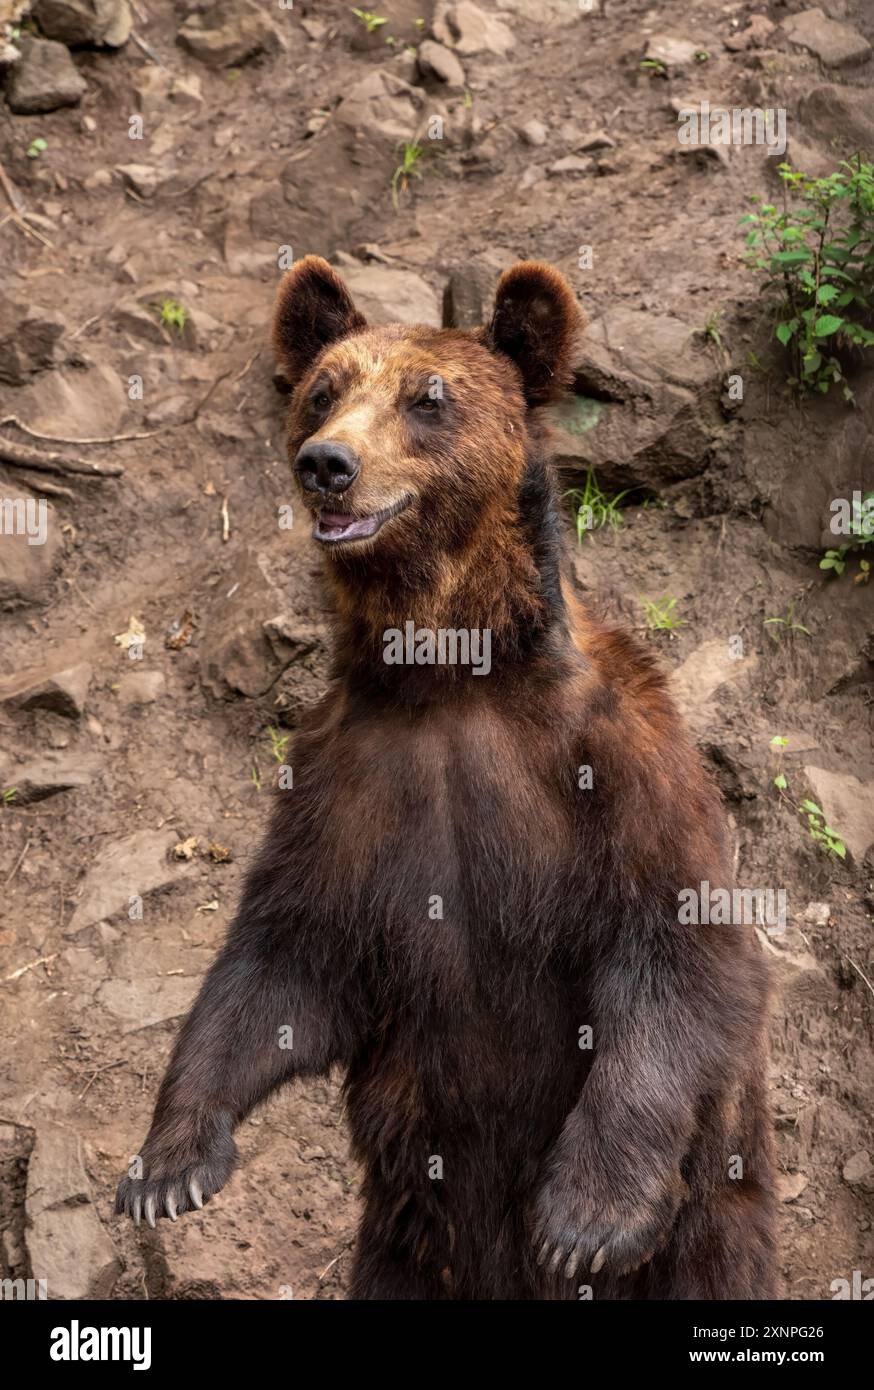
[(787, 623), (862, 532), (256, 778), (593, 508), (779, 743), (371, 21), (711, 329), (411, 157), (660, 615), (279, 743), (173, 314), (36, 147), (823, 835), (817, 255), (9, 795), (655, 66)]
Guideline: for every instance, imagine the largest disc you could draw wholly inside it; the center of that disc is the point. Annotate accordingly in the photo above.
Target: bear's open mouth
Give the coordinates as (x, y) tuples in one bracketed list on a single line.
[(334, 527)]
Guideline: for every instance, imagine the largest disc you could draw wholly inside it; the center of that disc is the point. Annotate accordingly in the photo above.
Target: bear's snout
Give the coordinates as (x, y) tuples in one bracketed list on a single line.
[(326, 466)]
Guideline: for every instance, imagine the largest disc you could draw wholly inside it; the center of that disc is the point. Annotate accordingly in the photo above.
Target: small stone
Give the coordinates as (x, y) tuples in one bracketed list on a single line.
[(30, 340), (755, 35), (62, 692), (859, 1170), (45, 78), (836, 45), (790, 1186), (675, 54), (817, 914), (572, 165), (229, 33), (468, 29), (441, 64), (468, 296), (75, 22), (534, 133), (596, 140), (144, 179)]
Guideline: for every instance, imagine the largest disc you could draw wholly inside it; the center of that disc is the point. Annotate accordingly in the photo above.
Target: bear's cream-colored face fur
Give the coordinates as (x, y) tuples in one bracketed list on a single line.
[(403, 439)]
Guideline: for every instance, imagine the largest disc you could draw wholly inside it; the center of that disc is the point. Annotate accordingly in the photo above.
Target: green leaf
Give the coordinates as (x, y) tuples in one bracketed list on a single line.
[(784, 333), (827, 324), (780, 782), (826, 293), (811, 806)]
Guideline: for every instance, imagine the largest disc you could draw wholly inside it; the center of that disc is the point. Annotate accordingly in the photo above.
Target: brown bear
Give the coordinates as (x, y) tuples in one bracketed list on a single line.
[(468, 898)]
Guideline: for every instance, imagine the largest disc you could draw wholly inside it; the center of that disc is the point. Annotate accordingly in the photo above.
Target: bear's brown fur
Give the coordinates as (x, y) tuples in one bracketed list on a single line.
[(443, 904)]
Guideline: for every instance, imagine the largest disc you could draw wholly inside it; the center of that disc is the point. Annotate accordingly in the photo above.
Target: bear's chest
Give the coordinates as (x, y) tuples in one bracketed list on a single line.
[(446, 846)]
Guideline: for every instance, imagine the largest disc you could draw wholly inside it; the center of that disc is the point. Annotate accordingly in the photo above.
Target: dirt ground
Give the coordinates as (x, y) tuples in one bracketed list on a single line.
[(141, 766)]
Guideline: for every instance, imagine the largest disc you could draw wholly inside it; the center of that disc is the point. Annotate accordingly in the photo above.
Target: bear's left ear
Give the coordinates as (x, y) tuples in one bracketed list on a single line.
[(313, 308), (535, 322)]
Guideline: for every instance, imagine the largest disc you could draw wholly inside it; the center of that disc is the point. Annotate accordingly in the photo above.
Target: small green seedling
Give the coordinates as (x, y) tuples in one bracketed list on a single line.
[(711, 330), (279, 743), (786, 624), (593, 508), (256, 779), (173, 315), (371, 21), (823, 835), (660, 615), (862, 533), (654, 66), (36, 147), (411, 158), (9, 795), (779, 743)]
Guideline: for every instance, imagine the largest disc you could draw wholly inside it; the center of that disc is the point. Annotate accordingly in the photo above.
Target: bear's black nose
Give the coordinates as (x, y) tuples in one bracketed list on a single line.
[(326, 467)]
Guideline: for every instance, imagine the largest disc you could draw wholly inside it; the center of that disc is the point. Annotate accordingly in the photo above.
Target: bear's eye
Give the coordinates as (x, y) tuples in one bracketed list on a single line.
[(320, 401), (427, 404)]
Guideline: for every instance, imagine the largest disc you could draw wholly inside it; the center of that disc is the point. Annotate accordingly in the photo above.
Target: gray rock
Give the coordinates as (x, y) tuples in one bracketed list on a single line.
[(45, 78), (291, 637), (385, 294), (468, 29), (55, 772), (142, 325), (696, 681), (132, 867), (839, 117), (384, 106), (676, 54), (229, 33), (468, 296), (647, 408), (155, 88), (103, 22), (61, 691), (441, 64), (66, 1243), (755, 35), (835, 45), (848, 807), (30, 340), (79, 402)]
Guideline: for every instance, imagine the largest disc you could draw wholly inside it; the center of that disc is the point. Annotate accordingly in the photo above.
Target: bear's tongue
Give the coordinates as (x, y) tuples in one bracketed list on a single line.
[(339, 526)]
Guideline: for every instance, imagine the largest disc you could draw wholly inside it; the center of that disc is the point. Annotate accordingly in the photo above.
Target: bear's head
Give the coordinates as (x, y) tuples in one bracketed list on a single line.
[(407, 442)]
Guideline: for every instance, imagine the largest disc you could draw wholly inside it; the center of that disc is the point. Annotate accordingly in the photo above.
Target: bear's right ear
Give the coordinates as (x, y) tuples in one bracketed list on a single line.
[(313, 308)]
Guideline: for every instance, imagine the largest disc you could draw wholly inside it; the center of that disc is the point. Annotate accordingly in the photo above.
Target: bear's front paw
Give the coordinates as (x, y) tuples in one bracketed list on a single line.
[(579, 1225), (169, 1188)]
